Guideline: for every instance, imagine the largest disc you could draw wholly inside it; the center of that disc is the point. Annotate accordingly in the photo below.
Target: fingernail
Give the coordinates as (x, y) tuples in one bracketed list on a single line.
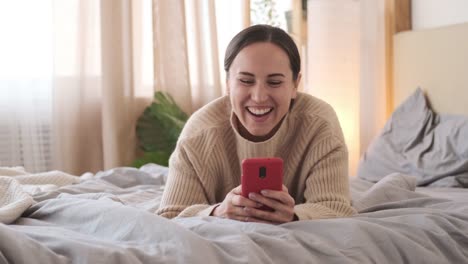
[(259, 205), (264, 192), (252, 195)]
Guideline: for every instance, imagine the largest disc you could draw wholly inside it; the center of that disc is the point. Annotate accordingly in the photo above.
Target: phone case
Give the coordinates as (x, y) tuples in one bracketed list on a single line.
[(261, 174)]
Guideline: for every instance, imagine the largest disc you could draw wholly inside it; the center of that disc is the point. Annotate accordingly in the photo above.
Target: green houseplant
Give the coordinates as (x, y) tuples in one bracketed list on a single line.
[(158, 129)]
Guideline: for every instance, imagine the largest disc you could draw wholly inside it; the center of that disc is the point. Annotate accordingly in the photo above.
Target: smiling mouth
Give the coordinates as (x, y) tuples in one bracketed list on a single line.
[(259, 112)]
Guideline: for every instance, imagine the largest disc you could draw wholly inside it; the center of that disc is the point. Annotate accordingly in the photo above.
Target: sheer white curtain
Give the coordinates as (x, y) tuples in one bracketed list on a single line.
[(86, 69), (189, 54), (101, 81), (74, 76), (84, 73), (25, 84)]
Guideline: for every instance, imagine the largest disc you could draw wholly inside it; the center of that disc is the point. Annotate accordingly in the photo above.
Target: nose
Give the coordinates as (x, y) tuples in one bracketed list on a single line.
[(259, 93)]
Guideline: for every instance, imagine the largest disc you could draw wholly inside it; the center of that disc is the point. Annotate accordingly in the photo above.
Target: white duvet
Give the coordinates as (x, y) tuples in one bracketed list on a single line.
[(109, 218)]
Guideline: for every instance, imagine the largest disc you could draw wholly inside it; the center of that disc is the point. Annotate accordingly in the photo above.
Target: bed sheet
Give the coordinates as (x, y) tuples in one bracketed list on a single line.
[(109, 218)]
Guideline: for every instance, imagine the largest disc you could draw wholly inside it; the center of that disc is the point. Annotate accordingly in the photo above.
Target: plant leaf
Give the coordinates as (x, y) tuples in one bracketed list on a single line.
[(157, 157), (160, 125)]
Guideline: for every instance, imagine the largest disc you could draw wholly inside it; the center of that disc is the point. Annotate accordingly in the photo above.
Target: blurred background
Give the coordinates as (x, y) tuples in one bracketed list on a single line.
[(76, 75)]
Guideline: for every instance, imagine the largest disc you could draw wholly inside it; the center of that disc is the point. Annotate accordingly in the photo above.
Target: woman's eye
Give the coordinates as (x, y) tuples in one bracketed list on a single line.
[(274, 83), (246, 81)]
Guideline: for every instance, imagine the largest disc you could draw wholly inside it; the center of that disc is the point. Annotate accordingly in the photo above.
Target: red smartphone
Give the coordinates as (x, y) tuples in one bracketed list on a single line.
[(261, 174)]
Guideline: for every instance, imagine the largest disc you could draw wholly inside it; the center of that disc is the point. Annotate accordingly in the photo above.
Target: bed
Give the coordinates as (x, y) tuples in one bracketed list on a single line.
[(109, 217), (435, 60)]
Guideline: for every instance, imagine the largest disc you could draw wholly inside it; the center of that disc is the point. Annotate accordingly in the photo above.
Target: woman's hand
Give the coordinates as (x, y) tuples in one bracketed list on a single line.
[(233, 206), (280, 201)]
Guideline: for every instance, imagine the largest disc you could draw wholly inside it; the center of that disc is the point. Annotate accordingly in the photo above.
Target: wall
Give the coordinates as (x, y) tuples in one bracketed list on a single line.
[(333, 52), (347, 66), (436, 13), (374, 88)]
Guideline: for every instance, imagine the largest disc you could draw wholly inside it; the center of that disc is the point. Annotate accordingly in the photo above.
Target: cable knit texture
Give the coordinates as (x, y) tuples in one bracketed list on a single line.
[(17, 187), (205, 165)]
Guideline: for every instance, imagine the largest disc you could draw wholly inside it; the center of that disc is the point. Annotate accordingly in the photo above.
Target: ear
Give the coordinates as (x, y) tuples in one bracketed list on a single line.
[(296, 85)]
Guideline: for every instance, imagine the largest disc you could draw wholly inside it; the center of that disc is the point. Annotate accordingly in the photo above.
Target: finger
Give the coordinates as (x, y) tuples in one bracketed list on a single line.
[(235, 211), (282, 211), (281, 196), (277, 195), (238, 213), (263, 215), (237, 190), (249, 219), (242, 218), (273, 203), (260, 199), (239, 200), (275, 217), (285, 189)]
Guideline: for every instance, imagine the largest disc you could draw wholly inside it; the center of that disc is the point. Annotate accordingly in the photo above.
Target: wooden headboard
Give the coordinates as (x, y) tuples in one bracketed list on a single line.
[(435, 60)]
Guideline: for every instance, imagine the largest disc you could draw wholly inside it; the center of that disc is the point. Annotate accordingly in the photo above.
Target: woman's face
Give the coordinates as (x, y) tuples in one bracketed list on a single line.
[(260, 87)]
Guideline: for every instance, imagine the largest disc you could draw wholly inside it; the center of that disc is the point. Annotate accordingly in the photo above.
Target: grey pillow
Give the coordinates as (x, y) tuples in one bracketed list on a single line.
[(419, 142)]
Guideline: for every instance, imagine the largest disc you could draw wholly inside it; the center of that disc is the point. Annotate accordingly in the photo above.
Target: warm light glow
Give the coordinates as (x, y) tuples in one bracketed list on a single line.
[(333, 64), (349, 121)]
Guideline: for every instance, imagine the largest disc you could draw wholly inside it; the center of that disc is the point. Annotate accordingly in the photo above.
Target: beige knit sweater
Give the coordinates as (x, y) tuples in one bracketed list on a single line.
[(206, 163)]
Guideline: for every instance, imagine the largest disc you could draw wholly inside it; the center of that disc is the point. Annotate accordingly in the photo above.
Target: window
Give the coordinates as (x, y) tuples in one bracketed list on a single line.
[(26, 84)]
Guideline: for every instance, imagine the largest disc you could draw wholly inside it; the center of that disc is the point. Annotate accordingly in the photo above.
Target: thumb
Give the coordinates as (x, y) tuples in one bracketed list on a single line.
[(237, 190)]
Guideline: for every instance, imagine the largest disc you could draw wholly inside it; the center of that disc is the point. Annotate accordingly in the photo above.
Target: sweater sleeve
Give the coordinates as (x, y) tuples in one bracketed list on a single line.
[(184, 194), (327, 187)]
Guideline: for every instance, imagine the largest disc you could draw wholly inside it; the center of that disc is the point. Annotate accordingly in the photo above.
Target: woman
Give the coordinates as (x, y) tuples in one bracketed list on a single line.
[(263, 115)]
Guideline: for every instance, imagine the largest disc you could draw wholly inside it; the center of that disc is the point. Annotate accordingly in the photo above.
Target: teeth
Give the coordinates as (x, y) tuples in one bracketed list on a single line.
[(259, 111)]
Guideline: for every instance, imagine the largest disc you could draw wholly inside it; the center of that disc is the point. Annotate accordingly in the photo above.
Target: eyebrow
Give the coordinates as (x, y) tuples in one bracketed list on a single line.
[(269, 75)]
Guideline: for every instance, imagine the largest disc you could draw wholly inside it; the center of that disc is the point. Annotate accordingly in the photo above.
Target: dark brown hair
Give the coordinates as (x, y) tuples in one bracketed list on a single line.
[(263, 33)]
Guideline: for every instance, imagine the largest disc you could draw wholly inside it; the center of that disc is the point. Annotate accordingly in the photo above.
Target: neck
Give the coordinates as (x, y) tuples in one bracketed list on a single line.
[(247, 135)]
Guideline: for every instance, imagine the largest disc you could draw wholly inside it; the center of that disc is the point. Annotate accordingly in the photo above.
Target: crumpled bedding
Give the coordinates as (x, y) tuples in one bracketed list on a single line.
[(416, 140), (109, 217), (17, 187)]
